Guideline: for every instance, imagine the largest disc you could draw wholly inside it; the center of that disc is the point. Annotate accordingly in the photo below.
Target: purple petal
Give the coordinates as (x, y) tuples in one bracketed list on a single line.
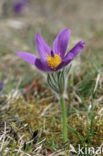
[(1, 84), (18, 6), (72, 54), (42, 47), (61, 42), (42, 65), (30, 58)]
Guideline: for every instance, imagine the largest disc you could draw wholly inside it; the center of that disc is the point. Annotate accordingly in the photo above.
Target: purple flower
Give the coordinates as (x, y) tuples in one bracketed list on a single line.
[(18, 6), (53, 59), (1, 84)]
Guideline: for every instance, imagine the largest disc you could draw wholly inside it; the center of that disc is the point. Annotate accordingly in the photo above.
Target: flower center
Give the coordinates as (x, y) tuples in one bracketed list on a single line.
[(53, 61)]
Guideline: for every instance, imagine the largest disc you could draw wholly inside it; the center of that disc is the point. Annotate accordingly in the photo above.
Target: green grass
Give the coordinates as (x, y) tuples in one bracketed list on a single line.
[(24, 111), (27, 105)]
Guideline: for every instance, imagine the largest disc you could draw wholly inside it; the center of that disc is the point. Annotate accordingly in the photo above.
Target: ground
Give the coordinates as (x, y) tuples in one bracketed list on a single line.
[(30, 114)]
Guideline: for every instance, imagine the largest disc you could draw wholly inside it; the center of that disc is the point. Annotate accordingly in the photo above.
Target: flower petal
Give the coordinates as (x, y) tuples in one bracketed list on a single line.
[(42, 65), (61, 42), (72, 54), (42, 47), (30, 58), (1, 84), (18, 6)]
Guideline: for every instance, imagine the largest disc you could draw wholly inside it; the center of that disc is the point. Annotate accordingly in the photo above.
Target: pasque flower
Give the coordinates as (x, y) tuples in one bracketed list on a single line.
[(1, 84), (56, 58), (19, 5)]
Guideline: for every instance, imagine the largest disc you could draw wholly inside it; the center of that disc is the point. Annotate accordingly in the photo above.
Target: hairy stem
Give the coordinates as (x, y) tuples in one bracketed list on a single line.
[(64, 118)]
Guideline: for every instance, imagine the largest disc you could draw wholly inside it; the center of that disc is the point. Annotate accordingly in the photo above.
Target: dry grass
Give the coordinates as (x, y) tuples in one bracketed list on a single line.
[(30, 117)]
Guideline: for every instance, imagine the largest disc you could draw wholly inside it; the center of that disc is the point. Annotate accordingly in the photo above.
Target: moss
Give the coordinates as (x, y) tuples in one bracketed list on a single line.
[(50, 127)]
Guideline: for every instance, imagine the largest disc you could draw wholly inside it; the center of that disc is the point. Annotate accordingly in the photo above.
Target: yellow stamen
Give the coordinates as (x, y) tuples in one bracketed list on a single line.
[(53, 61)]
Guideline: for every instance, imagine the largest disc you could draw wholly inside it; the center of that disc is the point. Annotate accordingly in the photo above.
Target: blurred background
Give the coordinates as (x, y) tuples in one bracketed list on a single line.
[(25, 92), (21, 19)]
